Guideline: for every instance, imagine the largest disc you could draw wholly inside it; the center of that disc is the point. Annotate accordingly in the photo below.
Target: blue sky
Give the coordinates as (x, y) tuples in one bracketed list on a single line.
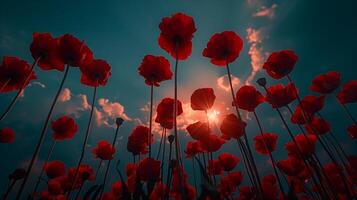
[(322, 33)]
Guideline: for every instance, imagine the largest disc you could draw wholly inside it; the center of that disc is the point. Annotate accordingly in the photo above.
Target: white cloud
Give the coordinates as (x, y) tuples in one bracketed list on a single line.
[(107, 112), (268, 12), (256, 52), (223, 82), (65, 95)]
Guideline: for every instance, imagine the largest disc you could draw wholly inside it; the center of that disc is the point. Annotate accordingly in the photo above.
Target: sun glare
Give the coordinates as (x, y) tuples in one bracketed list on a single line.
[(213, 115)]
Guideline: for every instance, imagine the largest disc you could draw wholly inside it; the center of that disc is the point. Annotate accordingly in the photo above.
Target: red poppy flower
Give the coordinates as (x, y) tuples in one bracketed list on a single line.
[(44, 49), (7, 135), (326, 83), (248, 98), (305, 145), (280, 64), (270, 187), (95, 73), (193, 148), (226, 187), (117, 188), (130, 169), (85, 172), (212, 143), (300, 117), (228, 161), (176, 35), (148, 169), (333, 174), (232, 127), (104, 150), (265, 143), (13, 74), (291, 166), (159, 191), (352, 166), (280, 95), (165, 112), (348, 94), (214, 167), (108, 196), (202, 99), (138, 140), (199, 130), (312, 104), (223, 48), (55, 169), (236, 177), (352, 131), (74, 52), (155, 69), (318, 126), (64, 128), (246, 193), (55, 187)]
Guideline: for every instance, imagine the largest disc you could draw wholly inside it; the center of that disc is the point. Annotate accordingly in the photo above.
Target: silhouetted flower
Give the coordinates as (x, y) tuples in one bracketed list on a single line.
[(265, 143), (228, 161), (301, 117), (148, 169), (280, 95), (223, 48), (64, 128), (281, 63), (212, 143), (199, 130), (348, 94), (13, 74), (270, 187), (138, 140), (202, 99), (352, 131), (55, 169), (95, 73), (165, 112), (232, 127), (215, 167), (248, 98), (104, 150), (74, 52), (155, 69), (318, 126), (85, 173), (193, 148), (7, 135), (305, 145), (176, 35), (291, 166), (312, 104), (158, 192), (44, 49), (326, 83)]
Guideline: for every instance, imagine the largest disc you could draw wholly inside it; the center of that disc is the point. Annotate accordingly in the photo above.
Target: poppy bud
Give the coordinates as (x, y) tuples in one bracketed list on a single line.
[(171, 138), (262, 82), (17, 174), (119, 121)]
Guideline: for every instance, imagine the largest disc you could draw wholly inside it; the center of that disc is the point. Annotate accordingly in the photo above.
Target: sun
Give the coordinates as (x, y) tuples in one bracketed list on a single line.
[(213, 115)]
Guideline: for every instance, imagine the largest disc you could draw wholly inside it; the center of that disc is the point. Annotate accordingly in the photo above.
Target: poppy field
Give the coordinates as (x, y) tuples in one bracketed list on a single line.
[(167, 161)]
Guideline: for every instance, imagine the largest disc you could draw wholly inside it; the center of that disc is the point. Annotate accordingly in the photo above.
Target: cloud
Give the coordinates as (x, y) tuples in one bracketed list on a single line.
[(268, 12), (65, 95), (256, 52), (107, 112), (223, 82)]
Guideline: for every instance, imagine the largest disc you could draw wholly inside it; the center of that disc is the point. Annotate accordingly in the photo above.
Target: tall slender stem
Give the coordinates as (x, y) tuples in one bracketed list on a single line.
[(49, 154), (84, 142), (161, 140), (168, 183), (14, 100), (8, 190), (150, 122), (109, 162), (349, 113), (42, 137), (269, 152)]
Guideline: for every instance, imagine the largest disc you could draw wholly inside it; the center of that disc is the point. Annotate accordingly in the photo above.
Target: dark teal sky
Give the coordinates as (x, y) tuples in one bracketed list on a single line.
[(323, 34)]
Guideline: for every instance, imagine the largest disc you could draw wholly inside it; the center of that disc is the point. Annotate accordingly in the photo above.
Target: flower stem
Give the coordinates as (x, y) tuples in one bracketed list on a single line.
[(14, 100), (84, 142), (5, 84), (42, 137), (49, 154), (150, 122), (9, 188)]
